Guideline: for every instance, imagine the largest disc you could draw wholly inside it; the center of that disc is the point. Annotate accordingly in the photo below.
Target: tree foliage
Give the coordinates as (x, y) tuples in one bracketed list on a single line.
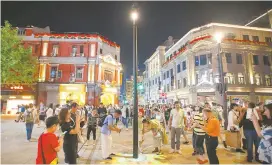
[(18, 66)]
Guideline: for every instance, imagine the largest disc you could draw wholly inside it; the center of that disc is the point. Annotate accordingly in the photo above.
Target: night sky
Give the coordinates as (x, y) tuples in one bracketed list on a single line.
[(158, 20)]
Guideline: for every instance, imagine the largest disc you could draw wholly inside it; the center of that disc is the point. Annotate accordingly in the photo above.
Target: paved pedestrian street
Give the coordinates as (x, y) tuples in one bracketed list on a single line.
[(14, 149)]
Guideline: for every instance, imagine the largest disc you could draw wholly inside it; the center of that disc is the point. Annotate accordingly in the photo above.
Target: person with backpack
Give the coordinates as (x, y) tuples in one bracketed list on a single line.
[(29, 120), (107, 125), (49, 144)]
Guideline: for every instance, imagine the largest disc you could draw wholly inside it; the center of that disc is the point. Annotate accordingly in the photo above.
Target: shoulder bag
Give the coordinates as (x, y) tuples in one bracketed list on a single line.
[(55, 161)]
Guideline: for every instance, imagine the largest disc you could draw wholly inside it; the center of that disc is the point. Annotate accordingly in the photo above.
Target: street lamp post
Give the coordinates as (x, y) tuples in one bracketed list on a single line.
[(223, 94), (134, 16)]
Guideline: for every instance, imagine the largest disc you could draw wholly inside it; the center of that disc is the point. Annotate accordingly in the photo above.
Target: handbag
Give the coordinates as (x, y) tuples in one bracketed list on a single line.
[(55, 161), (233, 139)]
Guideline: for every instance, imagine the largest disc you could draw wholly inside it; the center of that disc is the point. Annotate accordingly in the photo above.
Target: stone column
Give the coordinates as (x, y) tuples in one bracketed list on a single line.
[(192, 96)]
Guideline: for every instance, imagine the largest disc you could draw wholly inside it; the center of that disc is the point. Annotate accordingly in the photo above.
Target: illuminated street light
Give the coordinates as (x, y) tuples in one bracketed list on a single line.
[(222, 90), (134, 17), (218, 37)]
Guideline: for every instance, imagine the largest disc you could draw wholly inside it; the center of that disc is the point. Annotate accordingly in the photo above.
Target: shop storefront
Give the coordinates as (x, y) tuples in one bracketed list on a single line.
[(13, 96), (75, 92), (109, 94)]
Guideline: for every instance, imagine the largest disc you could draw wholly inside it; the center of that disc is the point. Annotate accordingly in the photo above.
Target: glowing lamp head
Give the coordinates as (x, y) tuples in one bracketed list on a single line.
[(218, 37), (134, 15)]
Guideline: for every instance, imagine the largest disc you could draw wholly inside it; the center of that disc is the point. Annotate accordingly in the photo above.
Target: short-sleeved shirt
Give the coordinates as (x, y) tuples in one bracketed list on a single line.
[(213, 127), (49, 143), (198, 118), (177, 118), (265, 147), (107, 122)]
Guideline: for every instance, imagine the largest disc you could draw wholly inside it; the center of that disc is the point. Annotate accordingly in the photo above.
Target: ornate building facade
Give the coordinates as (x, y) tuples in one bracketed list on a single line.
[(75, 66)]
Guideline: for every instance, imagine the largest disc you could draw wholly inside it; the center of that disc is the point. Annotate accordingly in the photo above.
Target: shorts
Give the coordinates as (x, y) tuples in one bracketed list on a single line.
[(82, 123), (42, 117)]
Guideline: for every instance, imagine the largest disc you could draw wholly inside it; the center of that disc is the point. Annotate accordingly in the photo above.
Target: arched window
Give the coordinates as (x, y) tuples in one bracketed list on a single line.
[(241, 78), (258, 79)]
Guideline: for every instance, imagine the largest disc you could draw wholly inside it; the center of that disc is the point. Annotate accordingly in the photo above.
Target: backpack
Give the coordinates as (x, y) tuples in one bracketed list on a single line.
[(29, 117), (102, 120)]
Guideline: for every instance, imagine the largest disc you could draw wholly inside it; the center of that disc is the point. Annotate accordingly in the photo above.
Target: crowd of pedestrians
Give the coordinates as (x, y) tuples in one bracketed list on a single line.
[(249, 129)]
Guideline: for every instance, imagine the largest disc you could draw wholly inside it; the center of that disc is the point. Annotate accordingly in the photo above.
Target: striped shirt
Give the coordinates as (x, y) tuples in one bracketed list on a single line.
[(198, 117)]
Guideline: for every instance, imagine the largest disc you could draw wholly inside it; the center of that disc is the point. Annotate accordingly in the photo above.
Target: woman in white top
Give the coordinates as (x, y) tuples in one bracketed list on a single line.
[(50, 111), (233, 122), (57, 110)]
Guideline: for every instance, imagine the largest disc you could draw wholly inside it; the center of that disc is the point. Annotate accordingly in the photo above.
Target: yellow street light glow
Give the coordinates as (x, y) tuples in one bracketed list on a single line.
[(134, 15), (26, 97), (12, 97), (218, 37)]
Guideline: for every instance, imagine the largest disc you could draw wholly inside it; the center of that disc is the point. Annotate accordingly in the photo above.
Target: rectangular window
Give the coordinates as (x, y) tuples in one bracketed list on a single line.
[(36, 49), (246, 37), (172, 72), (228, 58), (164, 75), (74, 50), (81, 48), (178, 68), (115, 57), (184, 82), (101, 51), (268, 39), (268, 80), (203, 59), (168, 74), (79, 72), (59, 73), (255, 60), (196, 61), (241, 78), (255, 38), (266, 60), (53, 73), (239, 59), (210, 58), (107, 75), (55, 50), (184, 65)]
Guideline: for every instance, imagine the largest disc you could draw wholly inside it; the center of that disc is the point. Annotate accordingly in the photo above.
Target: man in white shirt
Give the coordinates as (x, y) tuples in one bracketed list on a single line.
[(50, 111), (176, 125)]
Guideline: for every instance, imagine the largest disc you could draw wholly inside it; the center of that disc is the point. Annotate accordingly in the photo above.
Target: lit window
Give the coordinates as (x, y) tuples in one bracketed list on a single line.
[(241, 78), (268, 80), (107, 75), (258, 79), (74, 50), (229, 78), (81, 50), (55, 50), (53, 73), (210, 58), (79, 72)]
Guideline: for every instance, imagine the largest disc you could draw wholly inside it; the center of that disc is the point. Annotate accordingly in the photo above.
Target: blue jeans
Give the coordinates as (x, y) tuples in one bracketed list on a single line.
[(251, 138), (125, 121), (29, 128)]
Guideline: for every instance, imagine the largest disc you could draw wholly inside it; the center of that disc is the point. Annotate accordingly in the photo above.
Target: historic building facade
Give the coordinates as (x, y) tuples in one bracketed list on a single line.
[(75, 66), (191, 69), (153, 74)]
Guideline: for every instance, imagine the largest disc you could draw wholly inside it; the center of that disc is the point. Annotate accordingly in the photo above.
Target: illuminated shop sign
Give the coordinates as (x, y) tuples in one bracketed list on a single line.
[(17, 87)]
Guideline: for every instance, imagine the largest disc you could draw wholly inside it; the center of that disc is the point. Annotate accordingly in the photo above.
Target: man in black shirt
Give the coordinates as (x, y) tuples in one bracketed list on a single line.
[(102, 110)]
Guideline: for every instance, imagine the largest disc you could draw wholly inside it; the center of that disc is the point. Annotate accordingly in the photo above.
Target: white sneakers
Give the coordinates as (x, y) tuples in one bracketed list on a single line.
[(171, 151)]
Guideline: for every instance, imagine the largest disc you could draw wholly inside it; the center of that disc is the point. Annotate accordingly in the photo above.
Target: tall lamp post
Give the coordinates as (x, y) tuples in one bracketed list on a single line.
[(134, 17), (222, 90)]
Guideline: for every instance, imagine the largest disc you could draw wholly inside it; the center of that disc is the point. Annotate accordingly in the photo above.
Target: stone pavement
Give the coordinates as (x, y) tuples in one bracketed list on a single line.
[(14, 149)]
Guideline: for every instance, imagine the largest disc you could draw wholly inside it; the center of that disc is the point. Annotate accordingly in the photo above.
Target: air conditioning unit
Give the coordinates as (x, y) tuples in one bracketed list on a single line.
[(72, 79)]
